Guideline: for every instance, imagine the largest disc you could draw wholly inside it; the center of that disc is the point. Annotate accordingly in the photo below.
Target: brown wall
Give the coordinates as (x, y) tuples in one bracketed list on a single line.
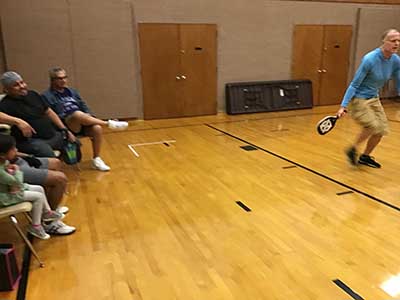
[(2, 56), (34, 41), (396, 2), (372, 22), (97, 40), (93, 40), (255, 40)]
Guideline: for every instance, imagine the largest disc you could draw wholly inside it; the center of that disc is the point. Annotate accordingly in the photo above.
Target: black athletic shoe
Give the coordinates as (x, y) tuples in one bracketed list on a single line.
[(352, 155), (368, 161)]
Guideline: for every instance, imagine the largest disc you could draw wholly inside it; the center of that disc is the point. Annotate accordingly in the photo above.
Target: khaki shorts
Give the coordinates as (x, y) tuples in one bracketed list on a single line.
[(369, 113)]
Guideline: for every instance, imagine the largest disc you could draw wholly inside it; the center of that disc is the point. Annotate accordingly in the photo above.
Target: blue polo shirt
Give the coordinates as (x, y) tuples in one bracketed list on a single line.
[(372, 74)]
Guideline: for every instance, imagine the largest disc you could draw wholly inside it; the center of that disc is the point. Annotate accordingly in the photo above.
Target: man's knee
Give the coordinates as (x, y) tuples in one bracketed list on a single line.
[(56, 178), (54, 164), (98, 129), (94, 131), (77, 115)]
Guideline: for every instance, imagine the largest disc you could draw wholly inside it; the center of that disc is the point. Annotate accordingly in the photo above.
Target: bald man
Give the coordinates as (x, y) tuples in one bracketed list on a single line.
[(362, 97)]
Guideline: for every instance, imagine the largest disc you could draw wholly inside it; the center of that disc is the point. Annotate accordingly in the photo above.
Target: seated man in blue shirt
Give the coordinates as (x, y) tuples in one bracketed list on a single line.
[(69, 106), (362, 96)]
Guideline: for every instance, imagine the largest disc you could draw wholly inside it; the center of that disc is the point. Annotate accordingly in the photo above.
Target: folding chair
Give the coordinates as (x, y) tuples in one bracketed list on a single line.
[(11, 211)]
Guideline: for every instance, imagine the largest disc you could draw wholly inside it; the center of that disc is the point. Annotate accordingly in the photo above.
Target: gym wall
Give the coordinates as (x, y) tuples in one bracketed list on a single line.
[(96, 40), (2, 56), (255, 38), (93, 40), (372, 22)]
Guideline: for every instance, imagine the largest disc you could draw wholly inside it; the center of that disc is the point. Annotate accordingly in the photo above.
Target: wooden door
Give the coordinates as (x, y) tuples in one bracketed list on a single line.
[(335, 63), (179, 72), (321, 53), (199, 68), (307, 55), (160, 63)]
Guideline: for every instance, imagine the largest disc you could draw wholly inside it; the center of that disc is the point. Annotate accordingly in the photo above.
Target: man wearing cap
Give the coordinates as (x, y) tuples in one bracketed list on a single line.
[(36, 127), (67, 103)]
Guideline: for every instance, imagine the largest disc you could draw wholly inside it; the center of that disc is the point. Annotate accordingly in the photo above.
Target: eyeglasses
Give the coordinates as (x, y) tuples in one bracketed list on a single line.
[(60, 78)]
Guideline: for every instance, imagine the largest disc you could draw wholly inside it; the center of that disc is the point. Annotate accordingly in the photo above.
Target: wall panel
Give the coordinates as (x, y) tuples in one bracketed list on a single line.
[(36, 37), (104, 56), (388, 2), (254, 40), (372, 22), (2, 54)]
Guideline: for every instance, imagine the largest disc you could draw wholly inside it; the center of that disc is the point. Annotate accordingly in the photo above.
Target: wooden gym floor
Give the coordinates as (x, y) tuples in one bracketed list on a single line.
[(165, 223)]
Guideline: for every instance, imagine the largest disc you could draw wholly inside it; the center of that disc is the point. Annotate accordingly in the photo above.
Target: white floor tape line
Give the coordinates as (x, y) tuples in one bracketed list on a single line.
[(131, 146), (133, 150), (154, 143)]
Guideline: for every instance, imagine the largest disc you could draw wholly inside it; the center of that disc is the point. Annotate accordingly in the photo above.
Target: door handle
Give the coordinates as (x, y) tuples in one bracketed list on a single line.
[(178, 78), (183, 77), (319, 71), (323, 71)]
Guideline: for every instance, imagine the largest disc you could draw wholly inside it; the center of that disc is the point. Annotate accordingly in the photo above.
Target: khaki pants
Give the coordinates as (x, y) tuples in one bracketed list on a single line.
[(369, 114)]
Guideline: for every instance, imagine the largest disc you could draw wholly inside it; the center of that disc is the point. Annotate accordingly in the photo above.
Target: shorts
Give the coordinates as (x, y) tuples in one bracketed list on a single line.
[(369, 113), (34, 175), (81, 131)]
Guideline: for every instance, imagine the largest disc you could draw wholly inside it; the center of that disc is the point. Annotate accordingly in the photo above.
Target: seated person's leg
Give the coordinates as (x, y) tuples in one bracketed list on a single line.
[(77, 119), (36, 147), (55, 182), (54, 164), (95, 133), (35, 176), (56, 142), (55, 226)]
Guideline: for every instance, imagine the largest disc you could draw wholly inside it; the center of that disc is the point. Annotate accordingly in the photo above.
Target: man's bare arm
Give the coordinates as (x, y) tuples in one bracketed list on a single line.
[(57, 121), (26, 129)]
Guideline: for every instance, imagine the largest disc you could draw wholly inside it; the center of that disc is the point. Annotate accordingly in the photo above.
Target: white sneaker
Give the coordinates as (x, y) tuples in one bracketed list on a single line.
[(115, 124), (99, 164), (62, 209), (39, 232), (59, 228)]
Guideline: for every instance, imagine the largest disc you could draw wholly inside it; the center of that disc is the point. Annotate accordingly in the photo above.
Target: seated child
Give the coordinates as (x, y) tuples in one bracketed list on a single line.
[(13, 190)]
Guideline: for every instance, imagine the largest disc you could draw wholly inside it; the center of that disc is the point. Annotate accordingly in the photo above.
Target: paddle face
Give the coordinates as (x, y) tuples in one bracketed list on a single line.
[(326, 124)]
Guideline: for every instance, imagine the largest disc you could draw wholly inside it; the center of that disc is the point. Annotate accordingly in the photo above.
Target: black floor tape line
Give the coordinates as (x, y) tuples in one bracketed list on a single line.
[(308, 169), (347, 289), (246, 208)]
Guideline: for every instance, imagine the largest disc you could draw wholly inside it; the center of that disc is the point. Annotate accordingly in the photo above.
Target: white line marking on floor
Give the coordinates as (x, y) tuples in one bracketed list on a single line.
[(155, 143), (133, 150), (130, 146)]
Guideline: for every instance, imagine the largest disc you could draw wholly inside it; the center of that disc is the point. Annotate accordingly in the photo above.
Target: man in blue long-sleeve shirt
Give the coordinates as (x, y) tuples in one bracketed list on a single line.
[(362, 96)]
